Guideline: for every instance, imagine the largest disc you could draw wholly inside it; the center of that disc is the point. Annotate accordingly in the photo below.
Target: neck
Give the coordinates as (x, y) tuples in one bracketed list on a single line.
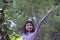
[(29, 32)]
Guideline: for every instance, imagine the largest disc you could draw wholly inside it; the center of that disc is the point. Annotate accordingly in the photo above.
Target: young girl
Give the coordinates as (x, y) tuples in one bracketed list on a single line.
[(29, 32)]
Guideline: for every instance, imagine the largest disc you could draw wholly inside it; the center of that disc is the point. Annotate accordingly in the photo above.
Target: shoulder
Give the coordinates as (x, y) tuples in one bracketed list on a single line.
[(23, 34)]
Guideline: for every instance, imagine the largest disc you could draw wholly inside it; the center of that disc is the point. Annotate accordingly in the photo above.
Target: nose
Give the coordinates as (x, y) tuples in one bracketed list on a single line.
[(29, 26)]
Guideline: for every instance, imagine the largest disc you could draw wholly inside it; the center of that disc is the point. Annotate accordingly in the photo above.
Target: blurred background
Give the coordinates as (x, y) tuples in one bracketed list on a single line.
[(21, 10)]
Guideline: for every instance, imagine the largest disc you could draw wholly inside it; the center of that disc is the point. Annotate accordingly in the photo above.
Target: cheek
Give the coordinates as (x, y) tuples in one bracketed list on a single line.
[(31, 27), (26, 27)]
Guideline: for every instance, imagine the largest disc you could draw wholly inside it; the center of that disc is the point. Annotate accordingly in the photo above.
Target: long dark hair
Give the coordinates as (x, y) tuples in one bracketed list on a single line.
[(25, 31)]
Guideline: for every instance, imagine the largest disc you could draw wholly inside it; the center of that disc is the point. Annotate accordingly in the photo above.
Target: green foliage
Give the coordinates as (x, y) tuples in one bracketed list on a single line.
[(14, 37), (20, 10)]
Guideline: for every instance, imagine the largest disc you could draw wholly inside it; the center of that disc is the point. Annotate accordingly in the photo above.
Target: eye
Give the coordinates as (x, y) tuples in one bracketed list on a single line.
[(30, 25), (27, 25)]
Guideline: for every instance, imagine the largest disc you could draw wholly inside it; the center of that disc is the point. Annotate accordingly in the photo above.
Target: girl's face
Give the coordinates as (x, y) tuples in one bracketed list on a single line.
[(29, 27)]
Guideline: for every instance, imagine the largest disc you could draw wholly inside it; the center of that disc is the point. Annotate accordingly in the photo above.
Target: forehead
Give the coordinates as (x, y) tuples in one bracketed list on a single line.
[(28, 24)]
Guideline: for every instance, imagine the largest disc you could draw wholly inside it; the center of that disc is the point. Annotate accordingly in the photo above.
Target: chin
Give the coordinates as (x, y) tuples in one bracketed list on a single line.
[(29, 30)]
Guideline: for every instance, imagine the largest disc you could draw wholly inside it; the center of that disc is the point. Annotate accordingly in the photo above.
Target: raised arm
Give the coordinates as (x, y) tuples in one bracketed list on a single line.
[(14, 25), (42, 20)]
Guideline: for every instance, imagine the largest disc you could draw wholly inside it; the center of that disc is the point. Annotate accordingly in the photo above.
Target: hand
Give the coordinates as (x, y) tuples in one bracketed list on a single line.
[(9, 21), (50, 9)]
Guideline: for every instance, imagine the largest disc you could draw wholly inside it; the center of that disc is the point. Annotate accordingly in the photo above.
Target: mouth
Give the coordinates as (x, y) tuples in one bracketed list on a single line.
[(29, 28)]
